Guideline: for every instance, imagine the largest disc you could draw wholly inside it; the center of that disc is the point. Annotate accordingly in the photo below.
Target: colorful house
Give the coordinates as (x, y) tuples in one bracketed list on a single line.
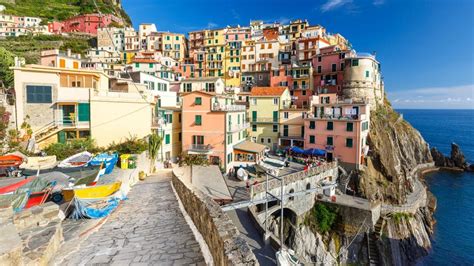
[(339, 127), (264, 111), (211, 125), (86, 23)]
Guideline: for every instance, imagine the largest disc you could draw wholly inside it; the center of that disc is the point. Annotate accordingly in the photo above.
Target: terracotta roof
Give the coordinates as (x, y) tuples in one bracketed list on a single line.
[(144, 60), (267, 91)]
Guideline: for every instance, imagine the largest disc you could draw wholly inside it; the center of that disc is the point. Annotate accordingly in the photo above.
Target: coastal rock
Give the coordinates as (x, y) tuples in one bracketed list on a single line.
[(396, 148), (311, 248), (456, 159)]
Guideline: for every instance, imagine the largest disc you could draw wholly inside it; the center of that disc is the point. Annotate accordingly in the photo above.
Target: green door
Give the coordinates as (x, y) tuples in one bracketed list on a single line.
[(62, 137), (254, 116), (84, 112), (275, 116), (68, 114)]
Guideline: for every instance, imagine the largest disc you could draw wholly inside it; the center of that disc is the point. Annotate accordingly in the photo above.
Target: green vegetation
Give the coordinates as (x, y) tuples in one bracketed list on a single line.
[(398, 217), (30, 47), (132, 145), (6, 61), (193, 159), (154, 145), (322, 218), (64, 150), (61, 9)]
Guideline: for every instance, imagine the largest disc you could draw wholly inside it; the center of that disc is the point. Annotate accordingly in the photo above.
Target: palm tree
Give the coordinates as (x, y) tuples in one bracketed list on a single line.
[(154, 145)]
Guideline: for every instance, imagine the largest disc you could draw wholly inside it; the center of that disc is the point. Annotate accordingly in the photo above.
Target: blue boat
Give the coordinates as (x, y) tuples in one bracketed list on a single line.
[(110, 161)]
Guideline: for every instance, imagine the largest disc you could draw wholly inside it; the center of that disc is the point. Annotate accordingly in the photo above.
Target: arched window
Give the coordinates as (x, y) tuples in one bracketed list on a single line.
[(291, 197), (308, 186)]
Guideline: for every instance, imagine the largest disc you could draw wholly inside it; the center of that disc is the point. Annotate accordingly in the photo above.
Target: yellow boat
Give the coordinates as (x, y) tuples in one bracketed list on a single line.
[(95, 192)]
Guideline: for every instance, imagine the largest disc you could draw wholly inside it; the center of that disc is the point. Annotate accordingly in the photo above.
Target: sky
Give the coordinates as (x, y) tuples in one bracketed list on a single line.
[(426, 47)]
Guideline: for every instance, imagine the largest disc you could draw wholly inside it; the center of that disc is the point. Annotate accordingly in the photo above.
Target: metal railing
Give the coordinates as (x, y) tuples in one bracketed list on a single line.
[(238, 127), (200, 147), (228, 107)]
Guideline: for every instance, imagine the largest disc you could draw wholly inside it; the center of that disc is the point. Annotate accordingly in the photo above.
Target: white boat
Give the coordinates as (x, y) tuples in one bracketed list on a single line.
[(242, 174), (77, 160)]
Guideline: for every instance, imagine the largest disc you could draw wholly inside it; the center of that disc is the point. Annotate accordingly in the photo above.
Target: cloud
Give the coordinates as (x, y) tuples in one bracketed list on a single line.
[(378, 2), (211, 25), (235, 15), (334, 4), (454, 97)]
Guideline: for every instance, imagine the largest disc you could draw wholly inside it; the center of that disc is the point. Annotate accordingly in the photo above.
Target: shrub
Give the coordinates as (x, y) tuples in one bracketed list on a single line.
[(325, 217), (131, 145), (398, 217), (64, 150), (193, 159)]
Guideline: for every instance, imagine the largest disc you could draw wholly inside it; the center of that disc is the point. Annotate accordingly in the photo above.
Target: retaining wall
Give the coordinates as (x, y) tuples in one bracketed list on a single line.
[(225, 243)]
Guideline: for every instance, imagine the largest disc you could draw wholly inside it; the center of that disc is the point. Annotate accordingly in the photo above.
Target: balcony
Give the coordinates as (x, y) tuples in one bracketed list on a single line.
[(200, 148), (301, 76), (264, 120), (237, 127), (216, 107), (336, 117)]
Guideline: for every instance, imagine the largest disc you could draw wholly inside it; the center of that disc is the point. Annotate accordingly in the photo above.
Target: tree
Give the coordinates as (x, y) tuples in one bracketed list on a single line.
[(325, 217), (7, 60), (154, 145)]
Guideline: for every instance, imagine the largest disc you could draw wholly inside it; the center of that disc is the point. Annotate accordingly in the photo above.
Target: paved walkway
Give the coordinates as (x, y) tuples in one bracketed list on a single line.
[(147, 229)]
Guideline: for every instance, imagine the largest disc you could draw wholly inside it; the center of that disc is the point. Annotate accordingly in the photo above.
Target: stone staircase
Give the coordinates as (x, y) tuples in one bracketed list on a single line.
[(372, 238), (46, 132)]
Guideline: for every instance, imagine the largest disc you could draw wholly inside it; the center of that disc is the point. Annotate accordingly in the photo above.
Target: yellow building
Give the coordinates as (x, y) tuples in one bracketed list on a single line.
[(214, 44), (264, 110), (172, 45), (62, 103)]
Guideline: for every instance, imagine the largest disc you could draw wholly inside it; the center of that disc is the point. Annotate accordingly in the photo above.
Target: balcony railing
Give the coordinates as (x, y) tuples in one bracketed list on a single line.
[(227, 108), (264, 120), (200, 147), (336, 117), (238, 127)]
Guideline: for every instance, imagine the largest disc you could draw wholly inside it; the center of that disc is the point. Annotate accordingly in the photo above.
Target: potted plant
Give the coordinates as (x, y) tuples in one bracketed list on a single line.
[(141, 176), (154, 145)]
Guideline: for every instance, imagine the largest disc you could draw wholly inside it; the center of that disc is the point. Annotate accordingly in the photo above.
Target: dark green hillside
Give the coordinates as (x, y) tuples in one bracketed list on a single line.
[(61, 9)]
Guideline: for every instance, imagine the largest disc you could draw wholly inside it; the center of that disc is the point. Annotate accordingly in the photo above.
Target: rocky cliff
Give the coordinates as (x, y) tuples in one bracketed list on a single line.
[(396, 148), (398, 238), (455, 161)]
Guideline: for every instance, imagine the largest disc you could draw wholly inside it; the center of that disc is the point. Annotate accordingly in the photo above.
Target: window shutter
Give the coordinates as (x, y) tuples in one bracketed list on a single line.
[(84, 112)]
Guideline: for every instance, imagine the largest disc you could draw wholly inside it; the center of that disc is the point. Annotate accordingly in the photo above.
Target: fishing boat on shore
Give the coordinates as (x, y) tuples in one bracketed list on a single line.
[(10, 160), (10, 185), (77, 160), (92, 192), (109, 161), (42, 163)]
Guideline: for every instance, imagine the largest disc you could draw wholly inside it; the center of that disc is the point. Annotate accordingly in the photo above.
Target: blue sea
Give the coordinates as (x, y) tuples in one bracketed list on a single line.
[(453, 240)]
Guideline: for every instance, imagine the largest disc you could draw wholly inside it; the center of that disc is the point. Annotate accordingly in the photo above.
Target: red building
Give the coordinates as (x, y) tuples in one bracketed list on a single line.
[(328, 68), (87, 23)]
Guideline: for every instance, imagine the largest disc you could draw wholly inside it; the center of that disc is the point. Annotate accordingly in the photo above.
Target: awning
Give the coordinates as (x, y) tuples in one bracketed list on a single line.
[(296, 149), (318, 152), (249, 146)]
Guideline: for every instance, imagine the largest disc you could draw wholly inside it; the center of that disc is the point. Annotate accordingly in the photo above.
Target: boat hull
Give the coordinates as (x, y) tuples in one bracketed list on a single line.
[(95, 192)]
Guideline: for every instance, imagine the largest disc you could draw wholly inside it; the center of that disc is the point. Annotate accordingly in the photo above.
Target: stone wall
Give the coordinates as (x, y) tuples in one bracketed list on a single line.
[(225, 243)]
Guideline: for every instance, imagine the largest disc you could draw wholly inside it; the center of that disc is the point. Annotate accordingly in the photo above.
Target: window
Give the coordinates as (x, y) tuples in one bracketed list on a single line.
[(342, 66), (330, 126), (254, 116), (355, 62), (367, 74), (319, 69), (262, 140), (275, 128), (319, 59), (312, 139), (312, 125), (329, 141), (275, 101), (198, 120), (137, 65), (38, 94), (198, 101), (349, 142), (167, 139), (254, 128), (275, 116), (229, 139), (269, 140), (365, 125), (198, 140), (179, 136), (350, 127), (150, 65), (285, 115), (334, 67)]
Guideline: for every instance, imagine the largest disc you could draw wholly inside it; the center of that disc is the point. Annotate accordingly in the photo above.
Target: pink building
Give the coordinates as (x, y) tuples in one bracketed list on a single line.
[(87, 23), (339, 127), (281, 77), (328, 66), (212, 124)]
